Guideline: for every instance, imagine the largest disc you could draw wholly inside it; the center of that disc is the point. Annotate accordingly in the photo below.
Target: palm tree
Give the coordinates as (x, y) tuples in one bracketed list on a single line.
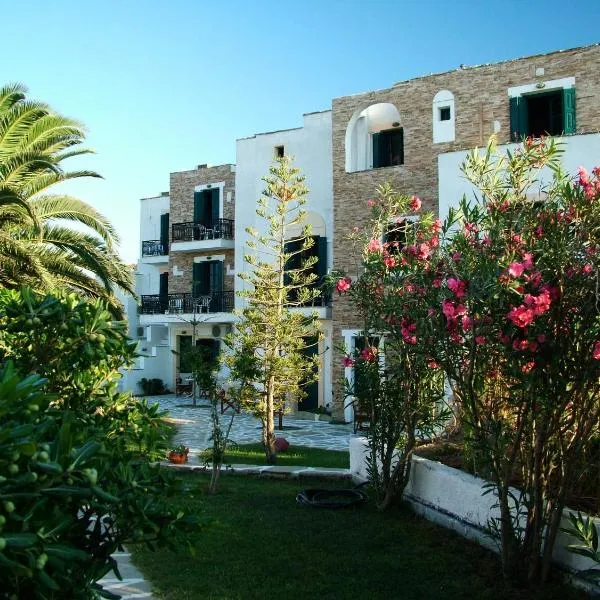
[(38, 246)]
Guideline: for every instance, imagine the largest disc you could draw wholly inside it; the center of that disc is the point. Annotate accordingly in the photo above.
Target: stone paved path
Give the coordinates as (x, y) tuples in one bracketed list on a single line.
[(133, 584), (194, 427)]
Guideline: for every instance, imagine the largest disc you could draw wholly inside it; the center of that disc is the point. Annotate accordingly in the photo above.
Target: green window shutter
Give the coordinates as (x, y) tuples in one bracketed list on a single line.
[(516, 127), (201, 279), (214, 205), (198, 207), (321, 243), (400, 143), (163, 288), (164, 231), (376, 153), (216, 276), (569, 124), (214, 350)]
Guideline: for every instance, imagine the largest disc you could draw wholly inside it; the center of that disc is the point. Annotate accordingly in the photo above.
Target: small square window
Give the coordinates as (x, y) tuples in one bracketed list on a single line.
[(279, 151), (445, 113)]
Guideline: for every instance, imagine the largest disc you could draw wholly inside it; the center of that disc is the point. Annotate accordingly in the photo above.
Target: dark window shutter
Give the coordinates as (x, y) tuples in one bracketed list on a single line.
[(214, 206), (163, 290), (321, 243), (201, 279), (198, 207), (569, 124), (216, 276), (214, 350), (376, 150), (400, 145), (516, 127), (164, 231)]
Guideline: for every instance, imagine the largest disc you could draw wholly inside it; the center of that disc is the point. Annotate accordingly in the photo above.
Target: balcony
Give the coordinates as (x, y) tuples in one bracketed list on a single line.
[(176, 304), (197, 236), (154, 251)]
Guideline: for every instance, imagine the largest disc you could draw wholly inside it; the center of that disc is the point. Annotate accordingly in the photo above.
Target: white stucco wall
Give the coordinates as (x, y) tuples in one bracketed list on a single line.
[(455, 499), (150, 211), (578, 150), (310, 146)]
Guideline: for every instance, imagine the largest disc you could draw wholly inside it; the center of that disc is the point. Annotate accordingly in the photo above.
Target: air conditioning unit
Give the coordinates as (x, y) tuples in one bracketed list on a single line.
[(216, 331), (141, 332)]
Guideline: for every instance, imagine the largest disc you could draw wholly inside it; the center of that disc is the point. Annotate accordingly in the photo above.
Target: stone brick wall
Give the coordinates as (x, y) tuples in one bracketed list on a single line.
[(182, 191), (182, 210), (480, 97), (184, 262)]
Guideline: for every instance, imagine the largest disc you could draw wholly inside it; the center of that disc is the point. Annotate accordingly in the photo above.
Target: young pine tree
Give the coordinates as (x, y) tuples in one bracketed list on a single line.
[(269, 341)]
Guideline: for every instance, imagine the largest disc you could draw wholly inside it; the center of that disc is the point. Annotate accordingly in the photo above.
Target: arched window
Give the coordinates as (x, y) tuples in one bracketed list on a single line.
[(443, 117), (374, 138)]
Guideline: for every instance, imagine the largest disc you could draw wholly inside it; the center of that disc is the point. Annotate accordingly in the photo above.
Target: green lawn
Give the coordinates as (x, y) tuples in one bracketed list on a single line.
[(253, 454), (262, 544)]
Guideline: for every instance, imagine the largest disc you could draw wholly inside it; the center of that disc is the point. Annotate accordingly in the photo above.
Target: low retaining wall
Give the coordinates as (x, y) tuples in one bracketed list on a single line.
[(454, 499)]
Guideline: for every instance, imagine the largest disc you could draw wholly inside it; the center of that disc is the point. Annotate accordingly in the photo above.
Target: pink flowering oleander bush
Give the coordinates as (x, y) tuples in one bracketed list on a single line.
[(513, 320), (395, 386)]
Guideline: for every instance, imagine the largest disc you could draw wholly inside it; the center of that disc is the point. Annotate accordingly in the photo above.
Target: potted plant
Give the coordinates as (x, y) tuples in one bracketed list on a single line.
[(179, 454)]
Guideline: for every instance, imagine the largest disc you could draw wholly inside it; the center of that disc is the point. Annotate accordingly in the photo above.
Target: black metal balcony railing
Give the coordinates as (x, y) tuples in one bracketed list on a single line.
[(154, 248), (219, 229), (214, 302)]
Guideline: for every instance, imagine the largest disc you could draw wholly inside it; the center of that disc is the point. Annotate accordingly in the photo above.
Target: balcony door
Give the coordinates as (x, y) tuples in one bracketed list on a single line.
[(208, 281), (206, 207)]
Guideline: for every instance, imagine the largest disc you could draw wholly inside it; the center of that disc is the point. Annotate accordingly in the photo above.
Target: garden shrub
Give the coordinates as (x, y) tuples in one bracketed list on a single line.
[(514, 321), (76, 482), (152, 387)]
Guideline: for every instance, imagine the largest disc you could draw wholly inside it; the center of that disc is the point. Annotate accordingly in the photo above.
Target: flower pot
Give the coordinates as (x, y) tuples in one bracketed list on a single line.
[(177, 458)]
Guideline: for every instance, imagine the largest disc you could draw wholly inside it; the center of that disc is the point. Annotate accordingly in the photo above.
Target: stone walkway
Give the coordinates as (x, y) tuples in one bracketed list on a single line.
[(194, 426), (133, 584)]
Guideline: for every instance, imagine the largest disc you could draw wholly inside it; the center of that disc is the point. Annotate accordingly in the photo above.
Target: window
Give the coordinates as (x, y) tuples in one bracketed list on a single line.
[(443, 115), (388, 148), (550, 112), (397, 234), (299, 257), (279, 151), (206, 206)]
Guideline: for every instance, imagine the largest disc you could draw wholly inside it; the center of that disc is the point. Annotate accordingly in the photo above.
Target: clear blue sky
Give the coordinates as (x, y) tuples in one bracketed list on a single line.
[(164, 86)]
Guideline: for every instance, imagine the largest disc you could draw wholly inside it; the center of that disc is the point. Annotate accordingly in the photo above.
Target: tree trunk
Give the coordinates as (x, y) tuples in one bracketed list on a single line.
[(269, 426)]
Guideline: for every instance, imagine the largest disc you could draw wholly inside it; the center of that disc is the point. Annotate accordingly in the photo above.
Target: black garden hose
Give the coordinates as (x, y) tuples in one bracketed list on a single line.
[(331, 498)]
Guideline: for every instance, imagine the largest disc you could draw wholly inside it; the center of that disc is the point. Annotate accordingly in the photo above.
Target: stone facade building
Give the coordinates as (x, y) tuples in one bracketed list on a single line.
[(415, 133)]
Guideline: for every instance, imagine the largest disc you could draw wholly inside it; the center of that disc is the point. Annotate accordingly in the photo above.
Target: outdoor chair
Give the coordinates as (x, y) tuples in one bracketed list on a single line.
[(182, 387), (362, 418)]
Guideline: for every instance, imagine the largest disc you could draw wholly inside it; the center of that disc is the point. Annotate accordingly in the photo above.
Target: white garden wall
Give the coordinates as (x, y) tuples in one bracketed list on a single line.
[(455, 499)]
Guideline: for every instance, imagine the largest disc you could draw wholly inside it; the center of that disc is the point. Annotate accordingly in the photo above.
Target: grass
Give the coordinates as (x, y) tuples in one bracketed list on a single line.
[(260, 543), (253, 454)]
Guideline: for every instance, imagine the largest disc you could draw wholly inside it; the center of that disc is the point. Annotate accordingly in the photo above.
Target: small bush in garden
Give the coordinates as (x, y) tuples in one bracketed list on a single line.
[(76, 482), (152, 387), (514, 321), (395, 387)]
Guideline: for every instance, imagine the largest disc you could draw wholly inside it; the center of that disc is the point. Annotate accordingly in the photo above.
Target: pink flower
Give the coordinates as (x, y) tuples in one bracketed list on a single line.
[(348, 362), (343, 285), (596, 352), (375, 246), (415, 204), (587, 269), (371, 203), (423, 251), (527, 260), (390, 262), (432, 364), (521, 316), (541, 338), (369, 353), (437, 226), (480, 340), (437, 282), (516, 269), (584, 178), (431, 312), (526, 368), (457, 286), (448, 309), (456, 256), (467, 323)]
